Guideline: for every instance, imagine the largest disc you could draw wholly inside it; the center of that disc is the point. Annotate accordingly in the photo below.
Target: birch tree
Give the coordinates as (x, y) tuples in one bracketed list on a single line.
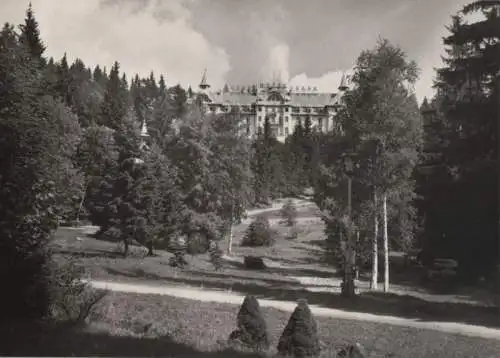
[(387, 127)]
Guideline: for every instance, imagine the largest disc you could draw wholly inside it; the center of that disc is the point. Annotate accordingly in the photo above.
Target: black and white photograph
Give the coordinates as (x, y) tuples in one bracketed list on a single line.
[(250, 178)]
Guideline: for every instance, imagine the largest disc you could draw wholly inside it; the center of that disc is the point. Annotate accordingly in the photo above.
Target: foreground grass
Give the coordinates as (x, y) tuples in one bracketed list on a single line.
[(151, 325)]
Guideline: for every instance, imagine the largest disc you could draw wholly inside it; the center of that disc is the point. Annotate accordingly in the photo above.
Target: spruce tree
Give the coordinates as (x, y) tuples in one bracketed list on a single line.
[(460, 173), (30, 36), (115, 104), (251, 326), (28, 161), (300, 336), (124, 212)]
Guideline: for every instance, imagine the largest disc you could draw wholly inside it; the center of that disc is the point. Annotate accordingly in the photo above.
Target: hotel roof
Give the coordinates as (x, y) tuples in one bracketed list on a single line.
[(313, 99)]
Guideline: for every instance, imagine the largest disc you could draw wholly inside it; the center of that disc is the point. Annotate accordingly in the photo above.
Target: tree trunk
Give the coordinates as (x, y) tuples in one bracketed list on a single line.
[(80, 207), (150, 248), (386, 247), (374, 281), (357, 251), (230, 240), (348, 289), (125, 247)]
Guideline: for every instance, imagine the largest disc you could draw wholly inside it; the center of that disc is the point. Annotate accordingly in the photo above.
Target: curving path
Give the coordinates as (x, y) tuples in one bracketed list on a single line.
[(206, 295)]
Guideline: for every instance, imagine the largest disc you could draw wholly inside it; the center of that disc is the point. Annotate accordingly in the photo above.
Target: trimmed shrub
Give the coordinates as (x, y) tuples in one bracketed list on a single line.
[(251, 327), (289, 213), (254, 263), (259, 233), (300, 336)]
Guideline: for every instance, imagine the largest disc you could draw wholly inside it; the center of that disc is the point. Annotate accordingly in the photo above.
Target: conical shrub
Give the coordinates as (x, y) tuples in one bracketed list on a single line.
[(300, 336), (252, 328)]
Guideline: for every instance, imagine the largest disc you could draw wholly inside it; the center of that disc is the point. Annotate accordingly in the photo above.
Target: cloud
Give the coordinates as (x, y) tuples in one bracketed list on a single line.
[(278, 61), (328, 82), (240, 41), (142, 36)]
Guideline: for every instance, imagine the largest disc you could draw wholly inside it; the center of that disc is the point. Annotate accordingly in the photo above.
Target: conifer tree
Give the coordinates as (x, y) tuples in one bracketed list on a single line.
[(115, 104), (252, 328), (459, 174), (300, 336), (30, 36), (28, 161)]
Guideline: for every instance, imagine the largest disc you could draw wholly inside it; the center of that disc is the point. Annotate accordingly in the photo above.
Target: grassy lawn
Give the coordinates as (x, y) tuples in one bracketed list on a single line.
[(153, 325), (294, 263), (104, 260)]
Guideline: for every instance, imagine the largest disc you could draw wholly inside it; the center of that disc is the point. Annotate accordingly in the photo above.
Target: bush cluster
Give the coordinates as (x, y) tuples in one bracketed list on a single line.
[(254, 263), (299, 338), (259, 233)]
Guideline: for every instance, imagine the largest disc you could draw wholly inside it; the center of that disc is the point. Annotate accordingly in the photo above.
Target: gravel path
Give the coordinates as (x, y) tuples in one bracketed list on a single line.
[(236, 299)]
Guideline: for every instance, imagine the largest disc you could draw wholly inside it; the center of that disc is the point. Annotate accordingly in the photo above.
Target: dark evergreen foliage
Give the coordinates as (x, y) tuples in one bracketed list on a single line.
[(259, 233), (251, 326), (458, 179), (300, 336)]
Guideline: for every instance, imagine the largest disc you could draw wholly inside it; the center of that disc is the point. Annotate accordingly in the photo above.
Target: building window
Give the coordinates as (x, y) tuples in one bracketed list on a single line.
[(320, 124), (280, 131), (260, 108), (286, 131), (287, 109), (286, 119)]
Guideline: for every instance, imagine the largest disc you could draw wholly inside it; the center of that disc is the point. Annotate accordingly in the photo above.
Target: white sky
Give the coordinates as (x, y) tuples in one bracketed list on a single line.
[(241, 42)]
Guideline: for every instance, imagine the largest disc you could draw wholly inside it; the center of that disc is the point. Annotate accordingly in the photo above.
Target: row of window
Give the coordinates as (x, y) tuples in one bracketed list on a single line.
[(318, 110)]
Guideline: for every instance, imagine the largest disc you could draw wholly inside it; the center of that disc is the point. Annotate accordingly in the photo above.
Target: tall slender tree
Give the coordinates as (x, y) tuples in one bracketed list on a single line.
[(459, 176)]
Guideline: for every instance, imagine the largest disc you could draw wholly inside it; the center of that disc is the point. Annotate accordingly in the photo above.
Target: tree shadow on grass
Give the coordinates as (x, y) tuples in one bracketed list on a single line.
[(52, 340), (404, 306), (95, 253)]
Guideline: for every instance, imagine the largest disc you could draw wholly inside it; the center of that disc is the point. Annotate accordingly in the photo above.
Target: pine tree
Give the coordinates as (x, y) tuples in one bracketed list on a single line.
[(30, 36), (300, 336), (28, 148), (460, 173), (125, 215), (252, 328), (97, 158), (161, 204), (178, 101), (162, 86), (115, 103), (63, 81)]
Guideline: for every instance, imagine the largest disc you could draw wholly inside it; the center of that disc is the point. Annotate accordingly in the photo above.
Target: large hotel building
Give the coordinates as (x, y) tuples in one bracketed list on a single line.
[(285, 106)]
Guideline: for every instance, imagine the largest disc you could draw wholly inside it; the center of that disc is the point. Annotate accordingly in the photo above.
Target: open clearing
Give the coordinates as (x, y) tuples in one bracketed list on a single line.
[(154, 325), (296, 269)]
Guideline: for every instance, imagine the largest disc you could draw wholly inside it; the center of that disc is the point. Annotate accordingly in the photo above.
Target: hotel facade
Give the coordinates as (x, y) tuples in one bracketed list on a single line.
[(285, 106)]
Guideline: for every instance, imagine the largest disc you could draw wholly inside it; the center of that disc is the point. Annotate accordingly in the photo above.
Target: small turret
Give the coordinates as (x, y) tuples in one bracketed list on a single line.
[(343, 83), (204, 84)]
